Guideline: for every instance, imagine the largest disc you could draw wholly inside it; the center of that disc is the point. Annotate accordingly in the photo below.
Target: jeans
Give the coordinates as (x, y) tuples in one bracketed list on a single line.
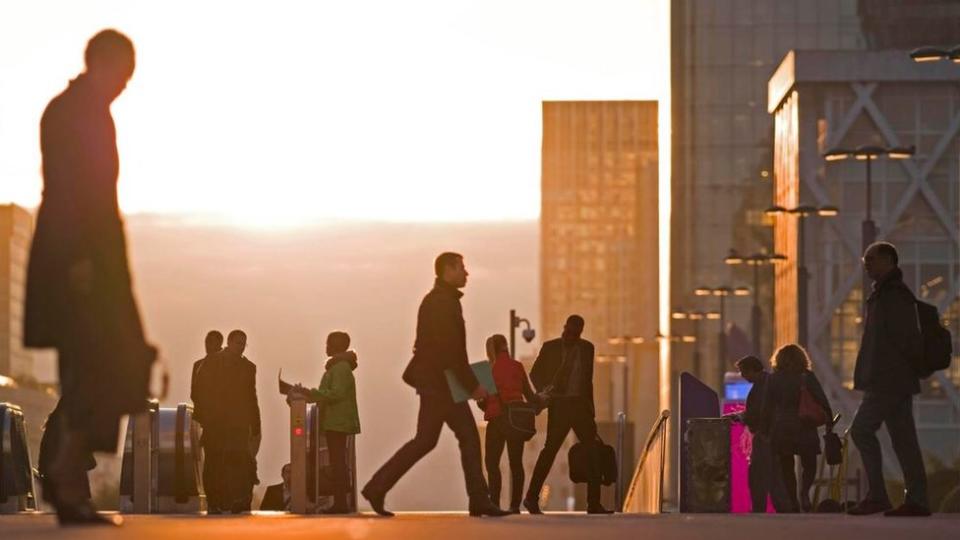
[(493, 451), (896, 411), (435, 411)]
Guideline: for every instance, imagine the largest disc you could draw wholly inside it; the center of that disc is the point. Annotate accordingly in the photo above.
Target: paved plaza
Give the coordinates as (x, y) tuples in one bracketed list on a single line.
[(454, 526)]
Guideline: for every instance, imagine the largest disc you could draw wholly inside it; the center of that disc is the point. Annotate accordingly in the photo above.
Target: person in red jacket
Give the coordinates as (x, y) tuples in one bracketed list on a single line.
[(512, 387)]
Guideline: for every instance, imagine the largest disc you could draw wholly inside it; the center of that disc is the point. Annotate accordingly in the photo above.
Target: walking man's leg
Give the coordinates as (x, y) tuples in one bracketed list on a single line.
[(870, 416), (558, 425), (903, 435), (429, 423), (464, 427)]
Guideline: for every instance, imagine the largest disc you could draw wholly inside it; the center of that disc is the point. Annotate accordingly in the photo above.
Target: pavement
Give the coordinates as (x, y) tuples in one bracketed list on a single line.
[(458, 526)]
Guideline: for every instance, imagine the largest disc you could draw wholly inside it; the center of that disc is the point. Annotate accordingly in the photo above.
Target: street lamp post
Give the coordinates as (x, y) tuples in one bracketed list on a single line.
[(722, 293), (528, 333), (803, 276), (868, 229), (755, 260), (624, 359), (696, 317)]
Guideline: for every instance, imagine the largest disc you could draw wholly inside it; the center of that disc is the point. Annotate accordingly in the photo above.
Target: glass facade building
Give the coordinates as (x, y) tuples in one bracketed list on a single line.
[(723, 54), (16, 232), (823, 100)]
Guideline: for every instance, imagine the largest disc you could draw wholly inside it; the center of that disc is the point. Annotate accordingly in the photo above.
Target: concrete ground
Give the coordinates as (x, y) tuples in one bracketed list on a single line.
[(453, 526)]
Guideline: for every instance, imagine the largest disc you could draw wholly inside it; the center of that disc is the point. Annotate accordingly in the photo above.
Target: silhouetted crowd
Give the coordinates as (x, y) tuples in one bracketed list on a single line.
[(80, 302)]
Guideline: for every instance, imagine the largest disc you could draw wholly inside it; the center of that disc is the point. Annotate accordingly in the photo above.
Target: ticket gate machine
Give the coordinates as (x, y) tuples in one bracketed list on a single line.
[(162, 463), (17, 492), (311, 485)]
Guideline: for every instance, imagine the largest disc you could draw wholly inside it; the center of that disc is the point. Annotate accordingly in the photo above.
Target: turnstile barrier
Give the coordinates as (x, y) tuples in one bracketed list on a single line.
[(312, 486), (162, 463), (17, 492)]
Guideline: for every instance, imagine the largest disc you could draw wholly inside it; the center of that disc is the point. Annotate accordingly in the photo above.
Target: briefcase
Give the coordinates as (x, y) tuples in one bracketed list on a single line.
[(596, 461)]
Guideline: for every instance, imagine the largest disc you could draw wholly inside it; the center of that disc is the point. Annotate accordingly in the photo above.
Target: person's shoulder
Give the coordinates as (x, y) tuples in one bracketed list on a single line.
[(246, 363), (587, 344)]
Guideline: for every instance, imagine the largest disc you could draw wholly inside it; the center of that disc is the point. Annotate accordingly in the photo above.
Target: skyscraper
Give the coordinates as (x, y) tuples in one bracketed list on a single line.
[(16, 231), (599, 242), (723, 52)]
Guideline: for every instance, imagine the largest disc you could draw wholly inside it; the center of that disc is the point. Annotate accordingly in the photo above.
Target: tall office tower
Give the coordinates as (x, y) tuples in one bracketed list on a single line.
[(599, 254), (599, 238), (723, 52), (16, 231)]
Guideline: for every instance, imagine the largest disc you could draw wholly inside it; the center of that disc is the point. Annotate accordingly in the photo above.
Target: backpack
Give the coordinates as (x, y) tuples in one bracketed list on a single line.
[(937, 341)]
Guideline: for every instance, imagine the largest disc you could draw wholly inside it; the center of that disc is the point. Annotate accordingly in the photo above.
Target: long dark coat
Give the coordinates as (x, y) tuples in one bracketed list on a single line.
[(780, 417), (104, 359), (549, 360)]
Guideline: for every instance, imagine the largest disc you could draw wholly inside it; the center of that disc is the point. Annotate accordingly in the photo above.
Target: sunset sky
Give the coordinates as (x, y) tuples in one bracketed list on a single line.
[(281, 113)]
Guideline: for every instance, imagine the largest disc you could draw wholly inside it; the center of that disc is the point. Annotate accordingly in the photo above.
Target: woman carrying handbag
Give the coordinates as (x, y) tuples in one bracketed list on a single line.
[(509, 415), (795, 406)]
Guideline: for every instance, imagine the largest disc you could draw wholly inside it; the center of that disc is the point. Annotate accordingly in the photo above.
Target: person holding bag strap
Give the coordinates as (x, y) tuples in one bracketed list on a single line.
[(790, 415), (513, 391)]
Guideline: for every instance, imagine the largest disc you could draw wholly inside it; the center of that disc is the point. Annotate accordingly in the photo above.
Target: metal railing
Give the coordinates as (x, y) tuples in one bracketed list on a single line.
[(645, 492)]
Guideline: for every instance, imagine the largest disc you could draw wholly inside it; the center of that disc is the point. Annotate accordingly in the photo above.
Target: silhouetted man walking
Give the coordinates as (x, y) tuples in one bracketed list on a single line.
[(441, 345), (79, 296), (889, 349), (225, 400), (213, 344), (564, 372)]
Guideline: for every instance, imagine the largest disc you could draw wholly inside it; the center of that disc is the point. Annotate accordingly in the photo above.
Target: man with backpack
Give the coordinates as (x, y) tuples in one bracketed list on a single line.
[(888, 371)]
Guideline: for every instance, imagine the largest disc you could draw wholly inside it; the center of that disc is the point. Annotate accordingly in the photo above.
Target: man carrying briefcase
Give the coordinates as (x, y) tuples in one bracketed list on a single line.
[(564, 371)]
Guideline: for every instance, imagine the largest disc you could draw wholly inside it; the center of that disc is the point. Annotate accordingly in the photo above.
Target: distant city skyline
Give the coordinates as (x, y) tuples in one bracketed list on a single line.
[(302, 113)]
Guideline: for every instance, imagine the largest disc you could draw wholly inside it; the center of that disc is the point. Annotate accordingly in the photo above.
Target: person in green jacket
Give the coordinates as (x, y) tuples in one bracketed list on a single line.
[(337, 399)]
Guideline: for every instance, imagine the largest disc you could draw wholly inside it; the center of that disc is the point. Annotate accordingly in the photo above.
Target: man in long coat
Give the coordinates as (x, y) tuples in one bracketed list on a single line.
[(79, 293)]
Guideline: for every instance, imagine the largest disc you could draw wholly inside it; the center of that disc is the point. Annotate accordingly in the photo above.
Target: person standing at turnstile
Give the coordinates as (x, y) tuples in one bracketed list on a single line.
[(225, 401), (339, 418)]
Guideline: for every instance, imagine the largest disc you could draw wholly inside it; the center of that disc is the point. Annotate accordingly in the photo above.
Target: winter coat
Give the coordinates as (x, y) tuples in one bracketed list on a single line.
[(781, 417), (891, 342), (105, 360), (441, 344), (337, 395)]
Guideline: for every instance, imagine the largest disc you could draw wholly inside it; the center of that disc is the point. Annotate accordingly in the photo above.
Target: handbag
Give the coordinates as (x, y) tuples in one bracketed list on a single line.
[(809, 410), (592, 461), (520, 421)]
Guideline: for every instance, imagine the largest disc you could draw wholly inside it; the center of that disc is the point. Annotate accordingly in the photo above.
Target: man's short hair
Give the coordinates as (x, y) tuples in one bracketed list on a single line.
[(237, 335), (444, 260), (887, 250), (108, 47), (575, 321), (750, 363), (339, 340), (215, 337)]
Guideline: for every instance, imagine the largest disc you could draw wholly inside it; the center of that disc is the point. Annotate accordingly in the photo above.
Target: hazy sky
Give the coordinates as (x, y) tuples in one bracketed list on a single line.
[(276, 113)]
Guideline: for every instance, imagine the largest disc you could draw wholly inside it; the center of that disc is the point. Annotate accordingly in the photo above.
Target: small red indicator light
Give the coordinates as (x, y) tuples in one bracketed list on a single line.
[(298, 431)]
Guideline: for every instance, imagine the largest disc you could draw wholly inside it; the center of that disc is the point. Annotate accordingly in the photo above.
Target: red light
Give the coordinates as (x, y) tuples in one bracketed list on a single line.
[(298, 431)]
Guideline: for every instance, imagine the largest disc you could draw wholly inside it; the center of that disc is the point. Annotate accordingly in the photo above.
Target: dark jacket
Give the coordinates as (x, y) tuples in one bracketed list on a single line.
[(193, 384), (547, 365), (337, 394), (891, 342), (79, 220), (753, 412), (780, 418), (273, 499), (441, 343), (226, 394)]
